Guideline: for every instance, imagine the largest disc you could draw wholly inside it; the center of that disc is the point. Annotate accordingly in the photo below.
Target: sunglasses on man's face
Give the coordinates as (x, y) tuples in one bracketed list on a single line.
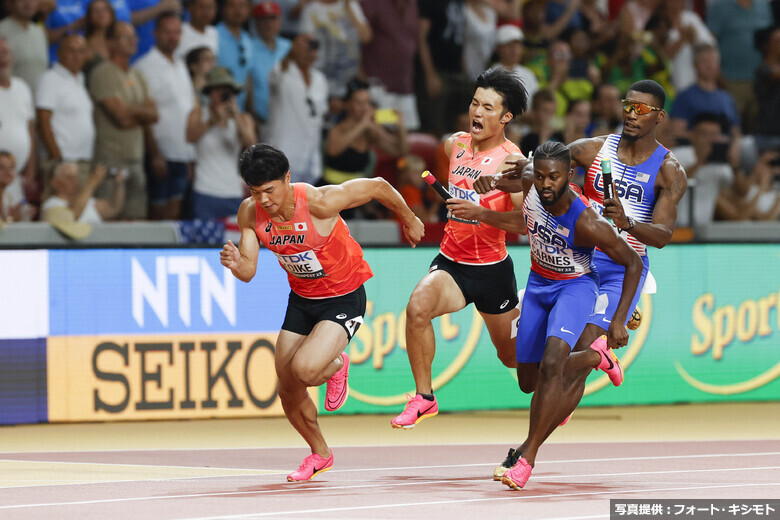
[(638, 107)]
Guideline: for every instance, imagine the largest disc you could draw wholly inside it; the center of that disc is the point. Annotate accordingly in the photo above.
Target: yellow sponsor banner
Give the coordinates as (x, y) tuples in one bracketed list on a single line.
[(108, 378)]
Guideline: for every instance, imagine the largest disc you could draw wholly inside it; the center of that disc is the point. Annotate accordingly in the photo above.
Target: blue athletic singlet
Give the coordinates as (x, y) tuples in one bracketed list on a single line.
[(635, 185), (562, 287), (553, 253)]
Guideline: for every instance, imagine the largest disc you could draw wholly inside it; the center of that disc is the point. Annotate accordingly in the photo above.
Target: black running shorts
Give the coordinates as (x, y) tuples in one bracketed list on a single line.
[(304, 313), (492, 288)]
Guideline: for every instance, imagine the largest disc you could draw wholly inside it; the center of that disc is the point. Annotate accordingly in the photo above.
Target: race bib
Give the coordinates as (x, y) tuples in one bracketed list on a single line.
[(467, 195), (302, 265)]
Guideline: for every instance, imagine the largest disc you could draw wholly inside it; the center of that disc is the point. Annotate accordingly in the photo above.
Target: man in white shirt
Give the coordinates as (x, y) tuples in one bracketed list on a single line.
[(64, 111), (199, 32), (299, 99), (168, 152), (17, 130), (27, 40)]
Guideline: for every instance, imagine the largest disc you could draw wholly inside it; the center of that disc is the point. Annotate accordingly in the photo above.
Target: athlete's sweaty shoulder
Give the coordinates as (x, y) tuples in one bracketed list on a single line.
[(450, 142), (584, 151), (671, 181), (592, 230), (247, 214)]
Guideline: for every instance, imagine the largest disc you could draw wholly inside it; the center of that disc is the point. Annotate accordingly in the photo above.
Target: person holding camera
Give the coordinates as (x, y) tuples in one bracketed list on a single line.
[(219, 131), (349, 144), (706, 161), (349, 147)]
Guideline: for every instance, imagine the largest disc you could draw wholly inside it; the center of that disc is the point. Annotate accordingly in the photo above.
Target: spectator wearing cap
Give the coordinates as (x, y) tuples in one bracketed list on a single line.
[(27, 41), (235, 44), (299, 100), (341, 28), (509, 48), (388, 59), (123, 107), (167, 149), (269, 48), (219, 131), (64, 111), (199, 32)]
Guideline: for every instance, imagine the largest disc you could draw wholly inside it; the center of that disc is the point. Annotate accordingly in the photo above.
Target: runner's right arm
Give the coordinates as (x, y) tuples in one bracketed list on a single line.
[(327, 201), (242, 260), (593, 230)]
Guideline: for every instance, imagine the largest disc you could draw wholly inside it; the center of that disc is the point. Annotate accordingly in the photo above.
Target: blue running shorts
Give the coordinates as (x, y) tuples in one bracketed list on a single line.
[(611, 287), (558, 308)]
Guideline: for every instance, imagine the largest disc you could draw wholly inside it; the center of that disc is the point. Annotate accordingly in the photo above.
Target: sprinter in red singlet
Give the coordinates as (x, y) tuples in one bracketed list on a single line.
[(301, 225), (473, 264)]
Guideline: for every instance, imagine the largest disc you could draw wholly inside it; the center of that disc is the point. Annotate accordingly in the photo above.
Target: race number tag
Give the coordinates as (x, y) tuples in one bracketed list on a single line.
[(467, 195), (302, 265)]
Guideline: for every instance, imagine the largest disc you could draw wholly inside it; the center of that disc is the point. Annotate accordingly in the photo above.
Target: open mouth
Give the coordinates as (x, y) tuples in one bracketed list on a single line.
[(476, 126), (630, 125)]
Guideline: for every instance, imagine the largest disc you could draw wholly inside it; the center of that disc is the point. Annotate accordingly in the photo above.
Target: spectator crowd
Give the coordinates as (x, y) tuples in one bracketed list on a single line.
[(138, 109)]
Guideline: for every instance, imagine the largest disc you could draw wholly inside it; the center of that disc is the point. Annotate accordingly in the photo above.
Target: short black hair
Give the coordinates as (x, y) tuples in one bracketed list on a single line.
[(195, 55), (554, 151), (648, 86), (164, 16), (355, 85), (712, 117), (261, 163), (509, 85)]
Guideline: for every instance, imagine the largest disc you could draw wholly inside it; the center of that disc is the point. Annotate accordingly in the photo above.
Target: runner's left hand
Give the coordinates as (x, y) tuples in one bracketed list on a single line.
[(414, 230)]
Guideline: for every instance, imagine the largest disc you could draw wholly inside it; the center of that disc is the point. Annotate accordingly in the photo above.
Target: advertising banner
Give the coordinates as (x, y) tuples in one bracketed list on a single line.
[(101, 335), (161, 334)]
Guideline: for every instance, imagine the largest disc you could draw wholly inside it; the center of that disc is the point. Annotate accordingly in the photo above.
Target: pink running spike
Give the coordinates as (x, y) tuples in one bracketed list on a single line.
[(417, 409), (518, 475), (338, 389), (610, 364), (311, 466)]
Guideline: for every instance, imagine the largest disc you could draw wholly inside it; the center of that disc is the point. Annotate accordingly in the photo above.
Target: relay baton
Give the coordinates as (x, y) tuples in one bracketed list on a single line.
[(436, 185)]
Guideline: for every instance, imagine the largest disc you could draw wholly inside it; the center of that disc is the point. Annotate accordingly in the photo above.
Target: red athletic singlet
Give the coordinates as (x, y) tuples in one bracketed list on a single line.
[(317, 266), (471, 242)]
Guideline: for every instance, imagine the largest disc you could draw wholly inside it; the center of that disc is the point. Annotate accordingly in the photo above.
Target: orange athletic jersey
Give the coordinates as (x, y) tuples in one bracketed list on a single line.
[(472, 242), (317, 266)]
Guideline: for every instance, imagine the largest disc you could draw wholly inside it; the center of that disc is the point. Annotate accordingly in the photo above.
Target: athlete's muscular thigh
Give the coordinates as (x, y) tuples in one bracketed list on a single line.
[(321, 347), (436, 294), (287, 345)]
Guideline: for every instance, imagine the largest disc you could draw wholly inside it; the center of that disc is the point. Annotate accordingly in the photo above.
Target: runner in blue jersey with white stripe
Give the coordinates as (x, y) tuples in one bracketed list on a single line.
[(562, 289), (648, 183)]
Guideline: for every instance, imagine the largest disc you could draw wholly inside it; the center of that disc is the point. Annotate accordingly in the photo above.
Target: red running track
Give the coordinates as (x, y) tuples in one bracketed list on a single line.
[(570, 481)]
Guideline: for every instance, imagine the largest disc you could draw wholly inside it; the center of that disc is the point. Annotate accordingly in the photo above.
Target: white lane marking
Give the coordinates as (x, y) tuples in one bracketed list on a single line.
[(294, 487), (676, 489), (262, 472)]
